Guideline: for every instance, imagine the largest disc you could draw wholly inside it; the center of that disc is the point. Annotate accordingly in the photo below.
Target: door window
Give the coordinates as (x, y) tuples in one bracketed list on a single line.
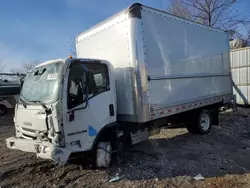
[(99, 78), (97, 81), (76, 86)]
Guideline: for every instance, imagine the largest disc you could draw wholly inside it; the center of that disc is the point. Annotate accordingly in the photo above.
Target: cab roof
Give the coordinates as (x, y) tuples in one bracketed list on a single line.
[(64, 60), (50, 62)]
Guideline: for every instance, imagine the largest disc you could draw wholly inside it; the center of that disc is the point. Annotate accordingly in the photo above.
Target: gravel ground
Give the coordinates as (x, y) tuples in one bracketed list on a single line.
[(169, 159)]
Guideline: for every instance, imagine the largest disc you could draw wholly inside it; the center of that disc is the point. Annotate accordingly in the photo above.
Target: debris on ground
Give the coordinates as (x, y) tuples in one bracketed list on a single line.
[(170, 159), (199, 177), (115, 179)]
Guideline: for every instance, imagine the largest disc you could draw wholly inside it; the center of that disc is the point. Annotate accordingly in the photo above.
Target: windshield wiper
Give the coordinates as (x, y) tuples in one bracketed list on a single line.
[(42, 104), (23, 102), (37, 72)]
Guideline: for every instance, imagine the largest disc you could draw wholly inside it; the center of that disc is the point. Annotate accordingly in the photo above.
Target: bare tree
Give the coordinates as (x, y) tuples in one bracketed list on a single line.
[(219, 14), (16, 70), (29, 66), (177, 8), (25, 67)]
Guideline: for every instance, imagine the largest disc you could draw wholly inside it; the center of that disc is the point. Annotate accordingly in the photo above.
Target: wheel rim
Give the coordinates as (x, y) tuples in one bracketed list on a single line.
[(204, 121)]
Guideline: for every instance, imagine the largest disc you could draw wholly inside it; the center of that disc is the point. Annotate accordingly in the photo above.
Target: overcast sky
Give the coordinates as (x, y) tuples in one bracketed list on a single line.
[(41, 30)]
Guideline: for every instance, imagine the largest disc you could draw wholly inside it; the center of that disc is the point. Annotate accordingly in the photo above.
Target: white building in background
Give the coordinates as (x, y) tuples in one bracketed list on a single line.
[(240, 68)]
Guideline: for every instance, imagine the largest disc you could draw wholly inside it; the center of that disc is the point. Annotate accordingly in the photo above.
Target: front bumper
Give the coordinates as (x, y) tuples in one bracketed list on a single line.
[(44, 150)]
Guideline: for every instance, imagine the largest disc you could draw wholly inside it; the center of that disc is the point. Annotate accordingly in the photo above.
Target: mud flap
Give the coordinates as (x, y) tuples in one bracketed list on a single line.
[(215, 116)]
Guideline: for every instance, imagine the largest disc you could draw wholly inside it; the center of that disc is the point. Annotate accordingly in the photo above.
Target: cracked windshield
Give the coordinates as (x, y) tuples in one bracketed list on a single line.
[(42, 83)]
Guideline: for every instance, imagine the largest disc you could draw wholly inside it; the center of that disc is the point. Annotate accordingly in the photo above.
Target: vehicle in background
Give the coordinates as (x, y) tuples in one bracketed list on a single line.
[(10, 86), (135, 73), (240, 68)]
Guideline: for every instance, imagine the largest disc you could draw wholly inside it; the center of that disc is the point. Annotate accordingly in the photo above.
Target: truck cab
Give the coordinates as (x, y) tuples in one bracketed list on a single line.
[(63, 105)]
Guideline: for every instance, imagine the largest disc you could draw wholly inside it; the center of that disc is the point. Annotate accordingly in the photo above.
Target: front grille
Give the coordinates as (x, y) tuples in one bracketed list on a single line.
[(29, 130), (29, 137)]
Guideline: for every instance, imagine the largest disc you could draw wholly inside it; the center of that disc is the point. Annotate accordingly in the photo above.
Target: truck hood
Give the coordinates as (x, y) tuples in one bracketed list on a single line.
[(32, 118)]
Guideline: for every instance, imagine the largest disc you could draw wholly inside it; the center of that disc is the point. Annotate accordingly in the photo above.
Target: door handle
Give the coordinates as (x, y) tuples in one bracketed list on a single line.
[(70, 116), (111, 110)]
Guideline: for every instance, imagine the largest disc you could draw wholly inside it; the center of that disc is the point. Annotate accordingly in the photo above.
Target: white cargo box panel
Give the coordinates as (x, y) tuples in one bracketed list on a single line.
[(240, 68), (161, 62), (113, 40), (185, 61)]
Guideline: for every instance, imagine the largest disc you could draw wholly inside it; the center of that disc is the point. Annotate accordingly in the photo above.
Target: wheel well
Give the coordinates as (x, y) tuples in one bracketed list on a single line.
[(192, 114), (107, 133), (2, 105), (4, 108)]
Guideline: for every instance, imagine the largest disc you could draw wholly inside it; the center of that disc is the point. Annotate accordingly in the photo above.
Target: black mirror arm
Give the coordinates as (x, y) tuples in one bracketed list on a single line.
[(86, 101)]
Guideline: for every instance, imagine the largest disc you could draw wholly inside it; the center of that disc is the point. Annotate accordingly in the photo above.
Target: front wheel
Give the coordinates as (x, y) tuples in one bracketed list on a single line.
[(202, 123), (103, 154)]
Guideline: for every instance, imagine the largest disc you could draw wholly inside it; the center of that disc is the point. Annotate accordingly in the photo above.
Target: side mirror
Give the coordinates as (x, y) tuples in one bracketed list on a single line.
[(86, 95), (71, 114), (86, 89), (21, 84), (21, 81)]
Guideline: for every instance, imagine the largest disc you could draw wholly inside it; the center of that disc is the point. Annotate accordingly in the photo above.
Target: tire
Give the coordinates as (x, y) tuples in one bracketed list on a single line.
[(103, 154), (3, 110), (202, 123), (106, 148)]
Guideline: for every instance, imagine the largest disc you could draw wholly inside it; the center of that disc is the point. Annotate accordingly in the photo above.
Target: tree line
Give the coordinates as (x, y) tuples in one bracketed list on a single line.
[(22, 69), (220, 14)]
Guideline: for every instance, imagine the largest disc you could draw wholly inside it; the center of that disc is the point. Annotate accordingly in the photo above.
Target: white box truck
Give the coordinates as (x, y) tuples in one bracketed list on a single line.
[(240, 68), (136, 72)]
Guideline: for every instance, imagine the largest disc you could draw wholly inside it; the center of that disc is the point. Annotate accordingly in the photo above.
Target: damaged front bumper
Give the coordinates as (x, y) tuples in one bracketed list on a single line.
[(44, 150)]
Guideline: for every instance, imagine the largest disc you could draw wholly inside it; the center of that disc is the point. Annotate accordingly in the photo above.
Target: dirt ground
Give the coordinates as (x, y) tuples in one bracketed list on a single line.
[(170, 159)]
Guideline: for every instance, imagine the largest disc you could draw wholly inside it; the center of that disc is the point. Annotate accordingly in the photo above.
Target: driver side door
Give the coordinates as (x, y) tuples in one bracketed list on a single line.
[(75, 103)]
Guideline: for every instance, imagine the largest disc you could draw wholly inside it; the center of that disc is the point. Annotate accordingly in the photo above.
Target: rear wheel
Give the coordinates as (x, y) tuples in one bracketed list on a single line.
[(3, 110), (201, 124)]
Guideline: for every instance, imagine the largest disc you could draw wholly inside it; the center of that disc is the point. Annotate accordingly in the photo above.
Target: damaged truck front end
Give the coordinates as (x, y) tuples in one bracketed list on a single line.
[(37, 114)]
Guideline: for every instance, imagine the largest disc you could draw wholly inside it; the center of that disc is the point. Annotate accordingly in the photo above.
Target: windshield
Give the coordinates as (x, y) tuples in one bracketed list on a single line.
[(42, 83)]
